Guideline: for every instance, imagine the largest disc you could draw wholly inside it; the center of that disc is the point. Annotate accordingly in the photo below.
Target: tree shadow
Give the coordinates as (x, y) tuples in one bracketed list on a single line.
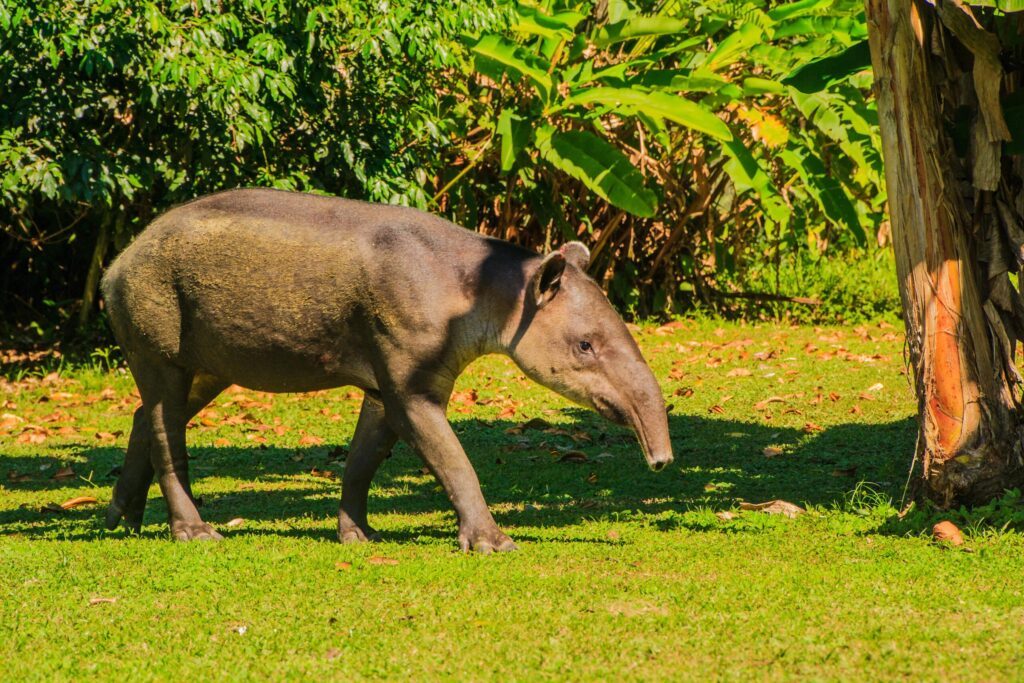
[(526, 477)]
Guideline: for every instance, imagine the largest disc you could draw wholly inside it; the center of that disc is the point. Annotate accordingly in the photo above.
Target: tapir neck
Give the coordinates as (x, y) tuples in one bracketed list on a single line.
[(496, 320)]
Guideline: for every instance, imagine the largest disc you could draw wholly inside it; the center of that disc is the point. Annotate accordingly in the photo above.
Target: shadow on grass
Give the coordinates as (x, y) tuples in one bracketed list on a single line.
[(718, 462)]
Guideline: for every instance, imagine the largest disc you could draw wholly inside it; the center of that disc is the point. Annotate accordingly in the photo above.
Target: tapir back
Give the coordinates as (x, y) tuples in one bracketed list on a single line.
[(270, 286)]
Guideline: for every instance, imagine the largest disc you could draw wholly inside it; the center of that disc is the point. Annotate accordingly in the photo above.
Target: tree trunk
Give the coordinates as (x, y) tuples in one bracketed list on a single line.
[(957, 207), (92, 277)]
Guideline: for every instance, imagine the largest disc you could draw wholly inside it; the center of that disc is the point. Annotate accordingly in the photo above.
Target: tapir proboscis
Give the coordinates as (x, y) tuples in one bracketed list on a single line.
[(287, 292)]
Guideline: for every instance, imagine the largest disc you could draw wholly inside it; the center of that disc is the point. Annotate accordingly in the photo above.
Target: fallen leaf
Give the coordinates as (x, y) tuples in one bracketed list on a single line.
[(574, 456), (772, 451), (844, 472), (775, 507), (537, 423), (323, 474), (332, 654), (739, 372), (102, 601), (613, 535), (947, 532), (377, 559), (684, 392), (64, 473), (811, 427), (237, 521), (725, 515), (17, 477), (506, 413), (342, 566), (310, 440), (592, 479), (761, 405), (78, 502), (876, 387), (716, 409), (833, 396)]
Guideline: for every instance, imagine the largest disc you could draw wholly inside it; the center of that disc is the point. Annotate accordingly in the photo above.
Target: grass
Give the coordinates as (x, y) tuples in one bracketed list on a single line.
[(620, 572)]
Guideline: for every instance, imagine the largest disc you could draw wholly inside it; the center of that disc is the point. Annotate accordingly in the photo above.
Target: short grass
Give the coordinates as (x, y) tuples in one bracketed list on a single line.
[(621, 573)]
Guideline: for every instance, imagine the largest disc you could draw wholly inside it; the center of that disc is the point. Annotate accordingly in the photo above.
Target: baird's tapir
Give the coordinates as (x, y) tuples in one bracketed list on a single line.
[(287, 292)]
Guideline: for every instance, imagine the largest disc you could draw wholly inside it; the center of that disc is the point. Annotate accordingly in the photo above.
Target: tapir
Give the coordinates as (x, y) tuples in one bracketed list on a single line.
[(289, 292)]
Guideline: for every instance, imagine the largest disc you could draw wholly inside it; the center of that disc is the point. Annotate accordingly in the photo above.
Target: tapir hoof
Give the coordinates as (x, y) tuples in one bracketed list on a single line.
[(356, 535), (486, 541), (132, 516), (194, 531)]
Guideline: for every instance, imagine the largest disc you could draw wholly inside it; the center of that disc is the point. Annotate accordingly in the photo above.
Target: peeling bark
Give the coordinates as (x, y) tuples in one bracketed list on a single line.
[(956, 237)]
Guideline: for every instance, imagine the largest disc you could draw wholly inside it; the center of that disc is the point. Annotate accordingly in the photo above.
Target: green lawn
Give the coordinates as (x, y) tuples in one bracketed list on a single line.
[(621, 572)]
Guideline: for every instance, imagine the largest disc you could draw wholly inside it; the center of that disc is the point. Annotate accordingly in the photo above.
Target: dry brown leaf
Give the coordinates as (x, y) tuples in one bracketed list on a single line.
[(310, 440), (876, 387), (947, 532), (17, 477), (725, 515), (102, 601), (739, 372), (78, 502), (237, 521), (772, 451), (378, 559), (844, 472), (684, 392), (323, 474), (574, 456), (537, 423), (342, 566), (761, 405), (812, 427), (775, 507), (506, 413), (716, 409), (64, 473)]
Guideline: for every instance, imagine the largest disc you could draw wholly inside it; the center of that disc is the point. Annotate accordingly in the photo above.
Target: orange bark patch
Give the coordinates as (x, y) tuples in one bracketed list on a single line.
[(946, 401)]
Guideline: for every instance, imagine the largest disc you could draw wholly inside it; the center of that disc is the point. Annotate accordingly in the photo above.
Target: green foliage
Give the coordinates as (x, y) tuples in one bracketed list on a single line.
[(709, 134), (686, 141), (116, 109)]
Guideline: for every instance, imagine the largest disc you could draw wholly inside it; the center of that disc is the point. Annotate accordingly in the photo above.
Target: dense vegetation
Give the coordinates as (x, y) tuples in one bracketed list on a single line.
[(698, 147)]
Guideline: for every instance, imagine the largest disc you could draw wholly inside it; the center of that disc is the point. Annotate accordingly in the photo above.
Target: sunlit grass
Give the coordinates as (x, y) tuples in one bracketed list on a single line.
[(621, 572)]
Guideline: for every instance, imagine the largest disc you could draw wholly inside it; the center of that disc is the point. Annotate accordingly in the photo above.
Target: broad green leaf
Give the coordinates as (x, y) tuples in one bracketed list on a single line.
[(762, 86), (820, 74), (747, 174), (637, 27), (658, 104), (798, 9), (495, 56), (601, 167), (734, 45), (825, 189), (532, 21), (514, 132)]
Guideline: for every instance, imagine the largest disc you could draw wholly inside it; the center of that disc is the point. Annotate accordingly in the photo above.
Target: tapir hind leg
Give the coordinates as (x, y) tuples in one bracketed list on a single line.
[(132, 488), (371, 443), (165, 388)]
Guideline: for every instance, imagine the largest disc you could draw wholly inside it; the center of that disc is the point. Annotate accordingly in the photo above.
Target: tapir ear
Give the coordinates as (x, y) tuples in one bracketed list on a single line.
[(577, 254), (548, 278)]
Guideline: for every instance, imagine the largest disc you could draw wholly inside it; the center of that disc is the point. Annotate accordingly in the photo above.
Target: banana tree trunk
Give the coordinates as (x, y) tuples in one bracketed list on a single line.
[(957, 210)]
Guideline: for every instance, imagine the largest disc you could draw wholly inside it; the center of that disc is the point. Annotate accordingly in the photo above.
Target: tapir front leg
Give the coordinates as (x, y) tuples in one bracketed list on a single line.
[(371, 443), (422, 422)]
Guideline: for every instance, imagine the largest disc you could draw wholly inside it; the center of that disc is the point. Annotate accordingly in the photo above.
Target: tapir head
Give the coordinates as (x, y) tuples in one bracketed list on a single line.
[(573, 342)]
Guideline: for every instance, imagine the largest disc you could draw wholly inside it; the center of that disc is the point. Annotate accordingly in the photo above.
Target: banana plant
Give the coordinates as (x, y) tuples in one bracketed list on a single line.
[(590, 96)]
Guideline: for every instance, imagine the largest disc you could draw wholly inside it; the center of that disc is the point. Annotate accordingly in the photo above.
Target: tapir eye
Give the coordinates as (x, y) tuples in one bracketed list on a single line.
[(585, 346)]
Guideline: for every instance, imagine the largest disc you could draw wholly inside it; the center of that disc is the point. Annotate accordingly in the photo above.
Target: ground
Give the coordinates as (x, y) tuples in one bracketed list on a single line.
[(620, 571)]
